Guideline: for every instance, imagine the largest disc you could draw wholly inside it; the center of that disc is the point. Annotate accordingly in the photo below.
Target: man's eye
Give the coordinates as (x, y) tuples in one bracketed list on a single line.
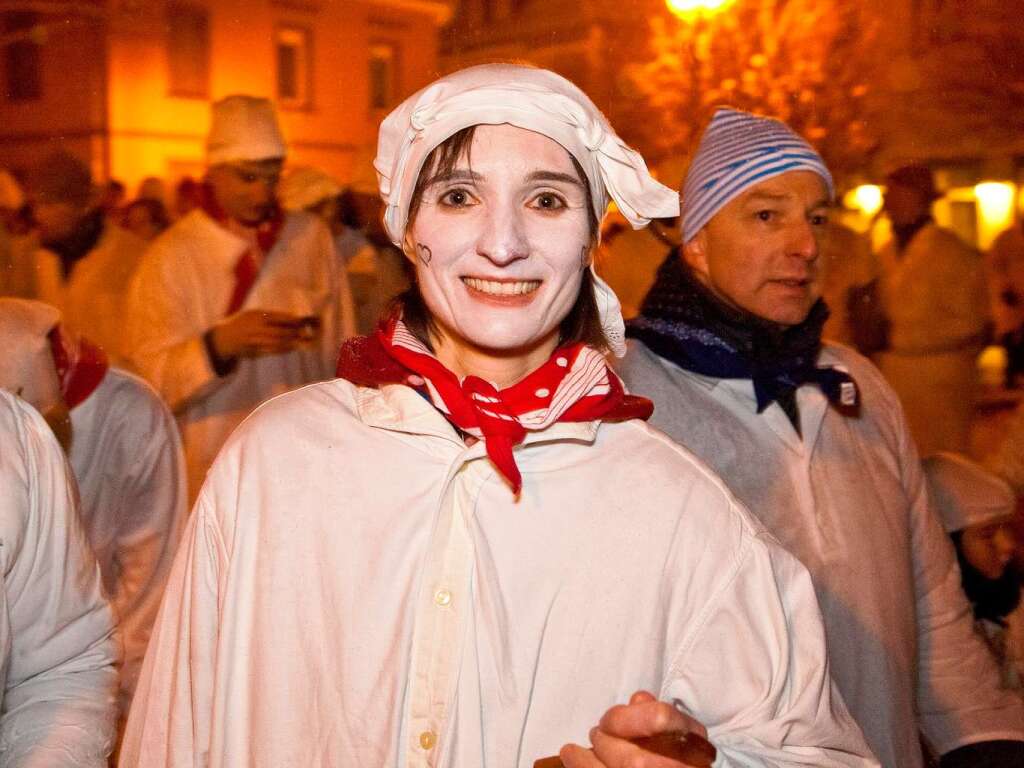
[(819, 220), (549, 201), (250, 178), (455, 198), (765, 215)]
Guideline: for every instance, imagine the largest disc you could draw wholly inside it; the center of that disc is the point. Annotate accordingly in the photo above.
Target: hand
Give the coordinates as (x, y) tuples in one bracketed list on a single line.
[(643, 716), (257, 332)]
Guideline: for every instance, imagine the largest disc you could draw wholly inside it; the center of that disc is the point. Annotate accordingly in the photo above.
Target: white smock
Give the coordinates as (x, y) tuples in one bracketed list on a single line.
[(183, 288), (92, 298), (128, 462), (935, 297), (56, 629), (849, 500), (358, 587)]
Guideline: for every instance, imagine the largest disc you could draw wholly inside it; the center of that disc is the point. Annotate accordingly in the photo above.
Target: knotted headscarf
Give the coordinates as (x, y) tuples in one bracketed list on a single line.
[(536, 100)]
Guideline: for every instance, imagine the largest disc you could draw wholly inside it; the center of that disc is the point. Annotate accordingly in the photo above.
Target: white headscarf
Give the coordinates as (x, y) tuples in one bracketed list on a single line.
[(536, 100), (965, 494), (28, 370)]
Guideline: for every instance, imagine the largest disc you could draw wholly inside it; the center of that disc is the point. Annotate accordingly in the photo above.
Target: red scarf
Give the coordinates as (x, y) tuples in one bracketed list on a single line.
[(246, 268), (80, 364), (575, 384)]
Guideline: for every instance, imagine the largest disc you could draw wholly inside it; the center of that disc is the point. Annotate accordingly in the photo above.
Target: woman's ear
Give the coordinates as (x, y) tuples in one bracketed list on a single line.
[(409, 247)]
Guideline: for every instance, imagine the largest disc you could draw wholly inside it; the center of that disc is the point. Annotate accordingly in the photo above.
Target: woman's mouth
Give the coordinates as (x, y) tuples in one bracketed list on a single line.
[(502, 287)]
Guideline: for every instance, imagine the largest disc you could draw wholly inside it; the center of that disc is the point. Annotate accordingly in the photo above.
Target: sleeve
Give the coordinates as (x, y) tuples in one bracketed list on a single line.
[(755, 672), (959, 698), (170, 719), (155, 509), (58, 702), (164, 345)]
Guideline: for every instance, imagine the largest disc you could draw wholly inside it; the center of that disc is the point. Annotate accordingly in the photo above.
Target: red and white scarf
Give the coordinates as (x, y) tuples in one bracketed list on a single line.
[(574, 385), (80, 364), (247, 268)]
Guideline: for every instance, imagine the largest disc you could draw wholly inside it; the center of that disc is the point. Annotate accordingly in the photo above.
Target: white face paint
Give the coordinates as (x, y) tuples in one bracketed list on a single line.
[(499, 247)]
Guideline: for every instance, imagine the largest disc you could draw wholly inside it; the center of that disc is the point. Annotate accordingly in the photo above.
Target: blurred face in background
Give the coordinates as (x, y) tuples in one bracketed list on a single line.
[(499, 246), (905, 204), (990, 547), (56, 219), (760, 251), (246, 189)]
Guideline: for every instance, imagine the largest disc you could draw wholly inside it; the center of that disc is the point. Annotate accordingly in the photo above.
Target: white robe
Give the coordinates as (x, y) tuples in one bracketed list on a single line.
[(92, 299), (935, 297), (57, 649), (183, 288), (128, 462), (358, 587), (849, 500)]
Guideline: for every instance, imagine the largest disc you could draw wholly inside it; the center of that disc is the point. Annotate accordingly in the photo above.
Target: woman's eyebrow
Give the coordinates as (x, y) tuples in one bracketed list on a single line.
[(566, 178), (456, 175)]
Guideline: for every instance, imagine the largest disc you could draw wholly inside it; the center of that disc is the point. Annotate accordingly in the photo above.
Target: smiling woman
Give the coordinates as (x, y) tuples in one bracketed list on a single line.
[(469, 546)]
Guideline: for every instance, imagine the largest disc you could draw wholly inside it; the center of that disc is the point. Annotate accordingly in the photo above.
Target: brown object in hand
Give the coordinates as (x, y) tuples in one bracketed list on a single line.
[(689, 748)]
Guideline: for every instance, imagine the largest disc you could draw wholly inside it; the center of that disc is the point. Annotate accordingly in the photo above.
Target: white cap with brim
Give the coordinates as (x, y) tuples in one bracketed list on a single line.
[(243, 128), (28, 370), (965, 494), (737, 151), (536, 100), (306, 187)]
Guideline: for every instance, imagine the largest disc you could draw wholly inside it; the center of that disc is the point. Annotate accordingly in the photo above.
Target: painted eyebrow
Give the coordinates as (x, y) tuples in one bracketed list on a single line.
[(566, 178), (457, 175)]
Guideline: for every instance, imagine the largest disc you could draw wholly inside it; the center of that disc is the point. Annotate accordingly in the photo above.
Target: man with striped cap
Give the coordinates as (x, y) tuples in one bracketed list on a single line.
[(812, 439)]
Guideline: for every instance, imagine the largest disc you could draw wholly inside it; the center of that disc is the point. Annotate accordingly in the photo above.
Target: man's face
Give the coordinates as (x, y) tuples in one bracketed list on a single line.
[(500, 244), (760, 251), (904, 204), (56, 219), (246, 189), (989, 547)]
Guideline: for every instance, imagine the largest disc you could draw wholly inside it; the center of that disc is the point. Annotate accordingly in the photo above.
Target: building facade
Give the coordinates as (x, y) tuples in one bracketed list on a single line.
[(128, 84)]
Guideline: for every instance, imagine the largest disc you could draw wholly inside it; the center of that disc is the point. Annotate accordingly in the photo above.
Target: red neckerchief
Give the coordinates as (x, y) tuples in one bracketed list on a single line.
[(80, 364), (246, 268), (575, 384)]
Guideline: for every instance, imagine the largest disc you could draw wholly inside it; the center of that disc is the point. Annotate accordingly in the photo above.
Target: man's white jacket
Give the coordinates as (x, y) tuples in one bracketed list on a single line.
[(183, 287), (128, 462), (849, 500), (359, 587), (57, 649)]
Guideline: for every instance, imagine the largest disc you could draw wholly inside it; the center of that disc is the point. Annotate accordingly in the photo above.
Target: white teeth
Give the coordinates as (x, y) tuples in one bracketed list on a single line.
[(495, 288)]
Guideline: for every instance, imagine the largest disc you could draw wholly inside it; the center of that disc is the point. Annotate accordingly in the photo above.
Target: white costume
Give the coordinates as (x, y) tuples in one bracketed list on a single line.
[(127, 458), (849, 500), (935, 297), (92, 298), (511, 609), (360, 587), (57, 649), (183, 288)]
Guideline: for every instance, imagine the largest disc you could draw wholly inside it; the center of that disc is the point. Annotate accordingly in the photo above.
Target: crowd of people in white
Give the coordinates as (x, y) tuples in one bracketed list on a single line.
[(291, 477)]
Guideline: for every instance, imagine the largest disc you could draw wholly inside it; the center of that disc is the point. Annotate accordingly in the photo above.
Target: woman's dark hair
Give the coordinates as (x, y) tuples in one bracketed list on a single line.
[(992, 599), (582, 324)]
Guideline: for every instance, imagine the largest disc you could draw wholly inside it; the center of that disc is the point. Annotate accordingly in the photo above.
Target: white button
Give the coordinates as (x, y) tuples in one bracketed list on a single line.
[(561, 362), (442, 597), (542, 392), (428, 739)]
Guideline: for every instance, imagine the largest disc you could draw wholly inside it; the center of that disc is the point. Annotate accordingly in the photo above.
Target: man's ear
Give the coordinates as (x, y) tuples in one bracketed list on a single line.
[(695, 254)]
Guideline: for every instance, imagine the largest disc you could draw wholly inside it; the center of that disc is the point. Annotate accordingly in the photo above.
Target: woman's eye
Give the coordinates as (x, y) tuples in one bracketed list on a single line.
[(549, 201), (455, 198)]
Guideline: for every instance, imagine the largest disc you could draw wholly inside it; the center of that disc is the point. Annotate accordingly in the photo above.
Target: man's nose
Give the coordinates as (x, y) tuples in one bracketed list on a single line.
[(503, 239), (803, 241)]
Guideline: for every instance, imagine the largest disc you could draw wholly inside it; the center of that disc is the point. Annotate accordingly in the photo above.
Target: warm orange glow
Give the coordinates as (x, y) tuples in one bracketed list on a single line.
[(995, 209), (867, 198), (686, 9)]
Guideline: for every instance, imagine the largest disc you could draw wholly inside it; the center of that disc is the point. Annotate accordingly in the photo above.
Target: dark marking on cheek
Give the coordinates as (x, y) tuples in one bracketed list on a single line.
[(423, 253)]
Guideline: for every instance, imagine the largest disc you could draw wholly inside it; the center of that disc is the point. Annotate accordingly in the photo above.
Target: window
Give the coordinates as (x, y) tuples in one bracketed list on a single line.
[(293, 66), (22, 60), (188, 50), (383, 67)]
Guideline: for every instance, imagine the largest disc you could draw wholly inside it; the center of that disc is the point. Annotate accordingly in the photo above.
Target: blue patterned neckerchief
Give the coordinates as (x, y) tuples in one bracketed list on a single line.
[(683, 322)]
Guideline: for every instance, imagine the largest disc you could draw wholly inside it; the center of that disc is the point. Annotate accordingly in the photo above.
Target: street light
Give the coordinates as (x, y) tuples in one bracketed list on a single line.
[(686, 9)]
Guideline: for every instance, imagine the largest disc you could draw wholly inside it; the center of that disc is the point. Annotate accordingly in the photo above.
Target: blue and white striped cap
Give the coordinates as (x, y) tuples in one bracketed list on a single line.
[(737, 151)]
